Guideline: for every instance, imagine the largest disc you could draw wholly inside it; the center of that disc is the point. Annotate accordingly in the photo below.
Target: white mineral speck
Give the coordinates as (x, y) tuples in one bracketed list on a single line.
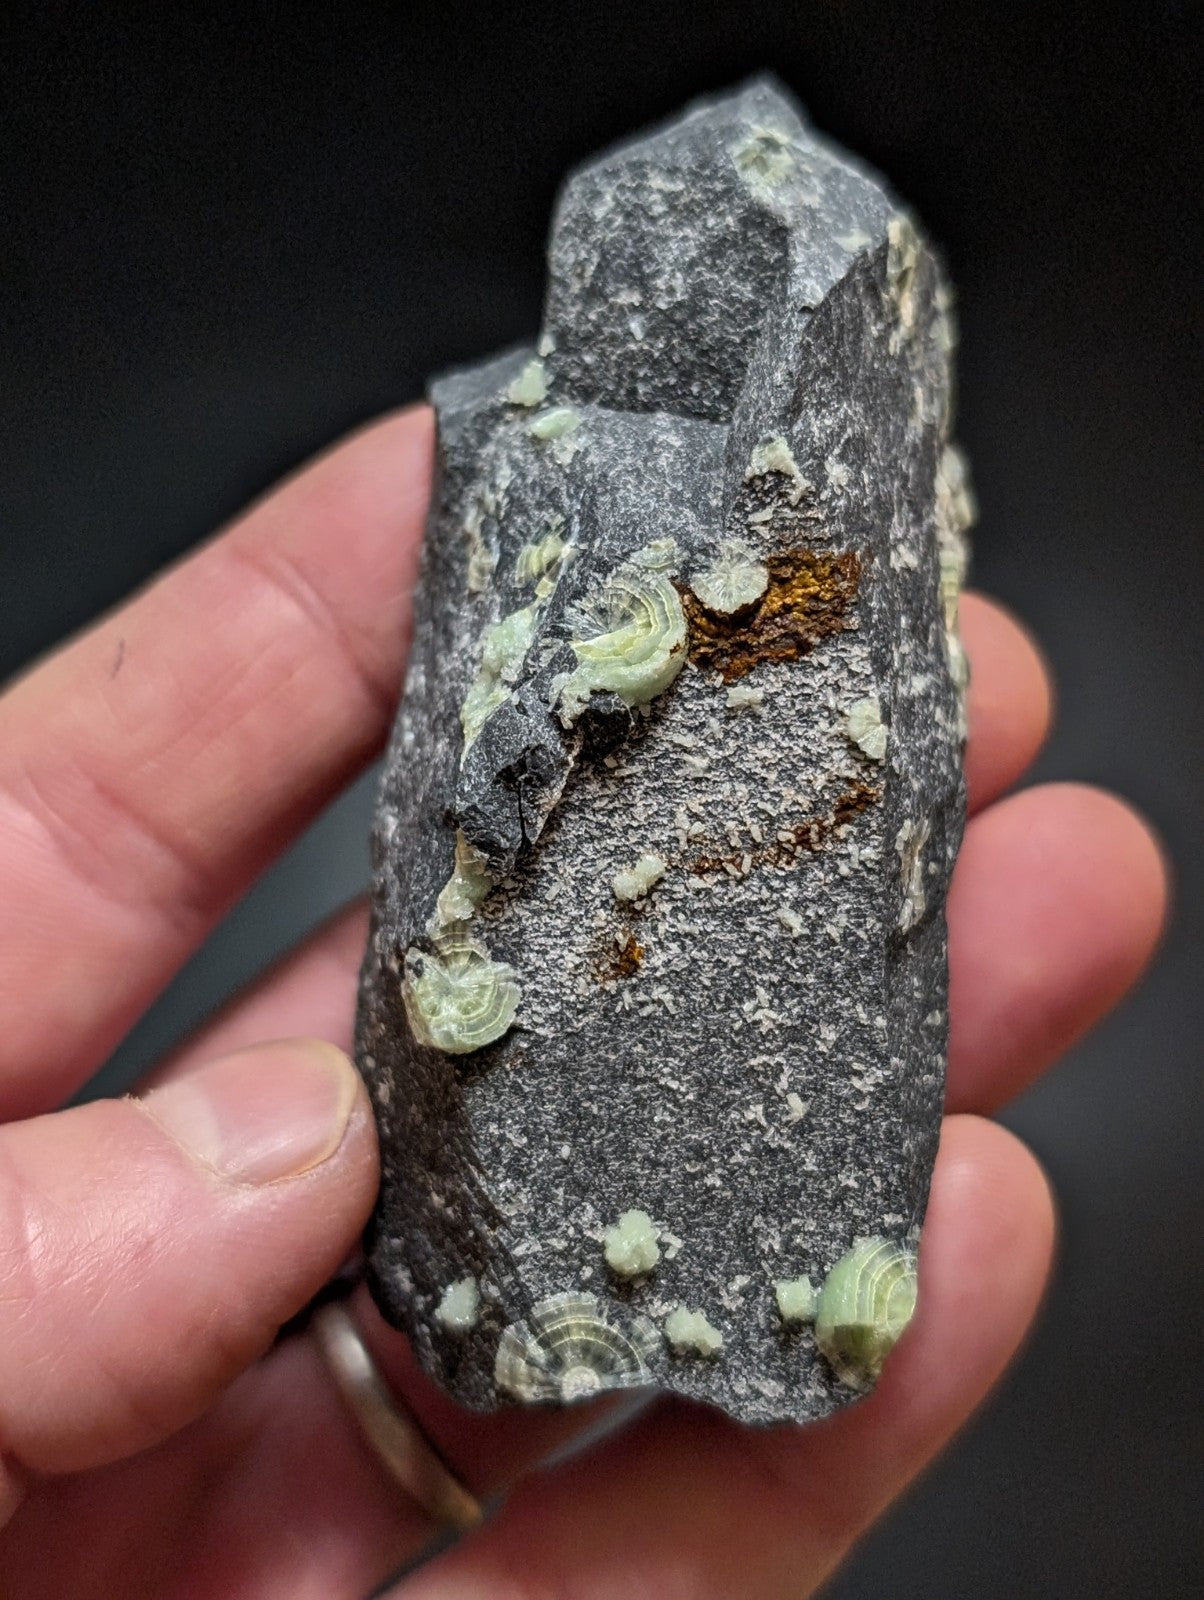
[(775, 455), (742, 697)]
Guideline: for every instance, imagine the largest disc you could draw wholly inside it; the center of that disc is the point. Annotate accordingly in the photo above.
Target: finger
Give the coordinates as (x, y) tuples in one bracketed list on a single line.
[(1009, 703), (1057, 904), (260, 1482), (694, 1506), (151, 768), (311, 990), (149, 1250), (1028, 864), (1009, 709), (1058, 899), (271, 1493)]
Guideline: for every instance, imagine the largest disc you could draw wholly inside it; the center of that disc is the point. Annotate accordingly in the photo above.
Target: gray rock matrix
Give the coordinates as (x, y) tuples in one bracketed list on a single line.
[(686, 686)]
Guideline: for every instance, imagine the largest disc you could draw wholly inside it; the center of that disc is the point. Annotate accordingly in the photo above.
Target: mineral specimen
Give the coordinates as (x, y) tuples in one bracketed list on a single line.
[(867, 1301), (653, 1013)]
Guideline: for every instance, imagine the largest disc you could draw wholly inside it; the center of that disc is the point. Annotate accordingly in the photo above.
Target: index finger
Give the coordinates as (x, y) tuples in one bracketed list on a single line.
[(151, 769)]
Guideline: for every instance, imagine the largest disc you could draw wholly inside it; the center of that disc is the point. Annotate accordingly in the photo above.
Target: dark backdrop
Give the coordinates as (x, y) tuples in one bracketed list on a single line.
[(224, 242)]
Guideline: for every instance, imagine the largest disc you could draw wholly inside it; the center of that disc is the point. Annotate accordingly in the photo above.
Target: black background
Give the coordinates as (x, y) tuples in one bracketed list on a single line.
[(226, 236)]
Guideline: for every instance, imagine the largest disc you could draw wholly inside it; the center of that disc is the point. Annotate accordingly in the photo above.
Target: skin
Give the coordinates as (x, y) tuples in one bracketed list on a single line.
[(151, 1248)]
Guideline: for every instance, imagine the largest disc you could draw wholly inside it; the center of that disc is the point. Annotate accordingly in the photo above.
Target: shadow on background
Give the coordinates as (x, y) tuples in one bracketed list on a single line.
[(223, 246)]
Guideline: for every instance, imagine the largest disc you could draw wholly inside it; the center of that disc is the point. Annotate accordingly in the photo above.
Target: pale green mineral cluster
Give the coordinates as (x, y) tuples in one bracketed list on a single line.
[(690, 1333), (866, 728), (630, 1245), (797, 1300), (634, 882), (554, 423), (502, 652), (734, 579), (530, 388), (459, 1306), (464, 891)]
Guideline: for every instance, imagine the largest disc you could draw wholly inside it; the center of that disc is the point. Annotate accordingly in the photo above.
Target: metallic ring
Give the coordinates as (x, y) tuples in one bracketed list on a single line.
[(394, 1435)]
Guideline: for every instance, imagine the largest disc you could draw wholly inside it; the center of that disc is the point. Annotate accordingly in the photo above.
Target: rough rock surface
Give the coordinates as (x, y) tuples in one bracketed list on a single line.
[(698, 916)]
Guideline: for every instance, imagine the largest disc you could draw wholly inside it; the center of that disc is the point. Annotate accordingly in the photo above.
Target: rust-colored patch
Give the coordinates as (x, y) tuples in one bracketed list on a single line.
[(784, 850), (809, 595), (616, 962), (853, 802)]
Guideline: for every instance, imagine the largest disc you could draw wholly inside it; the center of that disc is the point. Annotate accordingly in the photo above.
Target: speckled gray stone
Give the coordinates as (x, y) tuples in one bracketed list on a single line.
[(754, 342)]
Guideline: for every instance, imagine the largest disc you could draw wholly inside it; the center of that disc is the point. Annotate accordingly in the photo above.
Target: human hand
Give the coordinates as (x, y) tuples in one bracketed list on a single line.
[(153, 1440)]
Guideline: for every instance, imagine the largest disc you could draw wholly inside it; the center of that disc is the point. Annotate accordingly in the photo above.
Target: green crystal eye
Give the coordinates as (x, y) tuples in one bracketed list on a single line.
[(568, 1348), (638, 645), (867, 1300), (458, 998), (735, 579), (865, 727)]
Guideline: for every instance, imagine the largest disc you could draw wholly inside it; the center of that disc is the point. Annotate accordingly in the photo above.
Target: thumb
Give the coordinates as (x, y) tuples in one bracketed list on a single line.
[(150, 1249)]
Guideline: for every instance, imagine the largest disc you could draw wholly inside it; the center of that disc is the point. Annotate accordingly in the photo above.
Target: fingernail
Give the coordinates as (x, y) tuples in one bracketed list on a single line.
[(264, 1114)]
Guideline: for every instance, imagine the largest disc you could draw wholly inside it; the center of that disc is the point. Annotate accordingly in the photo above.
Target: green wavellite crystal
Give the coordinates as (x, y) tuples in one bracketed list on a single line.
[(867, 1301)]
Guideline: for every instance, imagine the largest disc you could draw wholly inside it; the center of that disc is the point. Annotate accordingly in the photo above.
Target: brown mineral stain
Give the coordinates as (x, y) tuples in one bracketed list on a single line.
[(809, 596), (616, 962), (784, 850)]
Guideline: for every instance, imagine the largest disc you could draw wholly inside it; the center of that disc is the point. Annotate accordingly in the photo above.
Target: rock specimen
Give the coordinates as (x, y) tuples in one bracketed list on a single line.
[(653, 1013)]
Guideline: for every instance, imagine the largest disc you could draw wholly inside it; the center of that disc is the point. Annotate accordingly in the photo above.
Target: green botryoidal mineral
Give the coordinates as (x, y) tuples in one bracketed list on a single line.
[(735, 579), (631, 641), (571, 1347), (867, 1301), (457, 997)]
